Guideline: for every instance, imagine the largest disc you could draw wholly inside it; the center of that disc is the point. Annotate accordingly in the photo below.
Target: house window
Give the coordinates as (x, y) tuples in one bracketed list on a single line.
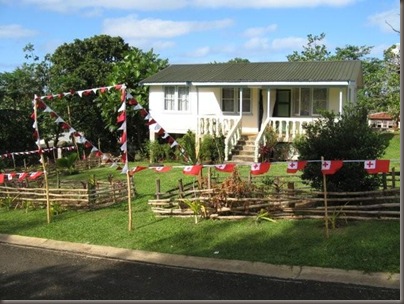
[(319, 100), (176, 98), (312, 101), (231, 100)]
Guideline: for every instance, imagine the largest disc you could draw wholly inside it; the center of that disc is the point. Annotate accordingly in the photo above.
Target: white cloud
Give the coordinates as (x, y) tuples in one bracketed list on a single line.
[(259, 31), (149, 28), (288, 43), (15, 31), (200, 52), (257, 43), (392, 17)]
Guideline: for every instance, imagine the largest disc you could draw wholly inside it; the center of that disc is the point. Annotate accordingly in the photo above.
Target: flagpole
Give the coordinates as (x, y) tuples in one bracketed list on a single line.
[(48, 217), (325, 200), (129, 202)]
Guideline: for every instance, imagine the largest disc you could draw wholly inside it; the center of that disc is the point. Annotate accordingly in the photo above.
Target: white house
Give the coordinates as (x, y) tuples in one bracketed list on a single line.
[(242, 98)]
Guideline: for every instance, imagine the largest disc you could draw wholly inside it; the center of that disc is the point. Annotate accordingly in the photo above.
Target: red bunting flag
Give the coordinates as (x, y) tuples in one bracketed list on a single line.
[(225, 167), (132, 102), (136, 169), (121, 117), (192, 170), (35, 175), (331, 166), (151, 122), (123, 138), (260, 168), (377, 166), (123, 157), (22, 176), (162, 169), (294, 166), (1, 178)]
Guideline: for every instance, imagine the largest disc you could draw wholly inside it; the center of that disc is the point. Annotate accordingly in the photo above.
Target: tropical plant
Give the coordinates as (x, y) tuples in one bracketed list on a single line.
[(263, 215), (188, 143), (197, 207), (67, 163)]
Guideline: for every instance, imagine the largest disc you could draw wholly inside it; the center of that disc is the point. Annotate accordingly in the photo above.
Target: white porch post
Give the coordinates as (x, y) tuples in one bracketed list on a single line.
[(241, 102), (268, 102), (340, 101)]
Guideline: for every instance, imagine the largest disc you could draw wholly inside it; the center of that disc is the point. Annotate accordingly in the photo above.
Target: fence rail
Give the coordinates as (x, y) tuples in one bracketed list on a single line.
[(100, 195)]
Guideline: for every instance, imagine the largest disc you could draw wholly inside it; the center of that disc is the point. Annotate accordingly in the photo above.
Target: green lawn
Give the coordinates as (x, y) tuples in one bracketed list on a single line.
[(370, 246)]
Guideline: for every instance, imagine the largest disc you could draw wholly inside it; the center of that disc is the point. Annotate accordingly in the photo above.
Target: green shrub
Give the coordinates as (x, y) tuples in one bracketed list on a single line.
[(211, 149), (187, 142), (348, 137), (67, 163), (159, 151)]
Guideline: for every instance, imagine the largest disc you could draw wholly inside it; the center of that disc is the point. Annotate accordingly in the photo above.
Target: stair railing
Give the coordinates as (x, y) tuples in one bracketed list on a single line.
[(232, 138), (260, 139)]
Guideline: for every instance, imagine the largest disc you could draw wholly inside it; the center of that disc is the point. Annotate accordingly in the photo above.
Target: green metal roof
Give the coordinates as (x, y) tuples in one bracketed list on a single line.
[(260, 72)]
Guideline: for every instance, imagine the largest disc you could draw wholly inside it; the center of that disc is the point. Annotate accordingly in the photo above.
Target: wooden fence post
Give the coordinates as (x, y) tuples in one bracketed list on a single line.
[(209, 180), (180, 188), (291, 187), (384, 181), (158, 188), (393, 177)]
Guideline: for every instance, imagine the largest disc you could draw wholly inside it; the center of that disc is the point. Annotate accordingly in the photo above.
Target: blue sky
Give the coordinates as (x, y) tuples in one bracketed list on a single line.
[(198, 31)]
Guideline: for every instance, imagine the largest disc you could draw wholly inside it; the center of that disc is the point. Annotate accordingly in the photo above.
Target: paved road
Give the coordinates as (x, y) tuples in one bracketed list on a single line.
[(37, 274)]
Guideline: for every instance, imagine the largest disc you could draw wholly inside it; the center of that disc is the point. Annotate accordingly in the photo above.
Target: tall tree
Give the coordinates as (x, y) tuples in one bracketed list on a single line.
[(85, 64), (315, 50), (17, 90), (135, 66)]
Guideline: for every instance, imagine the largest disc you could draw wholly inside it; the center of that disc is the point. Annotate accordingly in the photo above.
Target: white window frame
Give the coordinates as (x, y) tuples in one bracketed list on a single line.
[(298, 102), (177, 102), (235, 99)]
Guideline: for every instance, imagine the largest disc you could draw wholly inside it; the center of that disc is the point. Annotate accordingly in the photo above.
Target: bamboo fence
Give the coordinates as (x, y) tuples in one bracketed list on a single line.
[(100, 195), (285, 203)]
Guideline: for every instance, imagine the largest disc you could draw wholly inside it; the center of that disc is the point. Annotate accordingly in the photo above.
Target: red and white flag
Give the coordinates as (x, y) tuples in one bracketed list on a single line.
[(35, 175), (294, 166), (225, 167), (192, 170), (136, 169), (162, 169), (21, 176), (1, 178), (377, 166), (259, 168), (331, 166), (10, 176)]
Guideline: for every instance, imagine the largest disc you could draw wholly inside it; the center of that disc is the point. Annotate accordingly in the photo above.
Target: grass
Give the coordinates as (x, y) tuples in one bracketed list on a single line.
[(369, 246)]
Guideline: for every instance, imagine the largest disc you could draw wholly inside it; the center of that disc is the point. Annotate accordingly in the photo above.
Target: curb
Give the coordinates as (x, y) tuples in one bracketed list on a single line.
[(375, 279)]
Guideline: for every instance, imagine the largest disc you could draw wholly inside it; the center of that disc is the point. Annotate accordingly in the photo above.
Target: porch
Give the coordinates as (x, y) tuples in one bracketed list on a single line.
[(286, 128)]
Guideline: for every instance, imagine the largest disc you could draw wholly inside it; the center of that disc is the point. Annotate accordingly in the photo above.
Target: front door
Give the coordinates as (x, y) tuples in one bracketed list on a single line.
[(282, 103)]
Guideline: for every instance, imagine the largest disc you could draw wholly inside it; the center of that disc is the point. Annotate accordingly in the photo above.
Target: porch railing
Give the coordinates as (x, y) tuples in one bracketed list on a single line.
[(286, 129), (216, 125), (228, 126), (232, 138)]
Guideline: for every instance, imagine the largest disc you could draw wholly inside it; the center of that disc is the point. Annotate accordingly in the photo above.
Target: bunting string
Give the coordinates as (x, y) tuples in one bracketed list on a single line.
[(327, 166), (8, 155), (39, 103)]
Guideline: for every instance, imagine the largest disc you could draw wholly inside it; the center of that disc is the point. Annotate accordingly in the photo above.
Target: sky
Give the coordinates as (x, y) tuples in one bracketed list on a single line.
[(198, 31)]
